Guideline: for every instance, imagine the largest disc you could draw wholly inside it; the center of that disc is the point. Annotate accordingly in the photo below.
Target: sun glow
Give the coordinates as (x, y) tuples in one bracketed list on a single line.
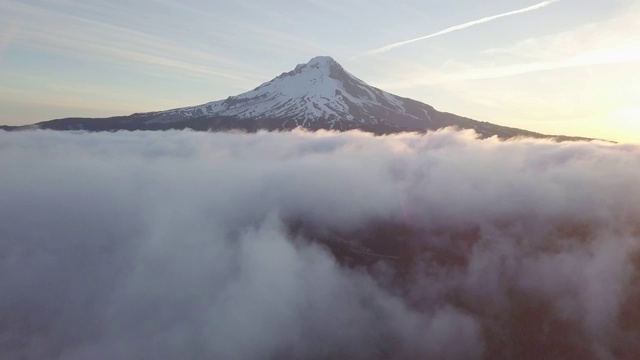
[(627, 120), (619, 54)]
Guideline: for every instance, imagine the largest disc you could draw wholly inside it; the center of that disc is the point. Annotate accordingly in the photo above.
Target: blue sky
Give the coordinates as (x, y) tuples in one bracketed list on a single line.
[(564, 67)]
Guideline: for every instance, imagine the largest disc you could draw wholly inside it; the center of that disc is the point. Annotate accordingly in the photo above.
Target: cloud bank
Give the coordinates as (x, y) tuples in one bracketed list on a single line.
[(297, 245)]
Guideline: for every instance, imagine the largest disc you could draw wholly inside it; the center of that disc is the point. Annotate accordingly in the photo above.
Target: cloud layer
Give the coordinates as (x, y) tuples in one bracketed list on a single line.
[(297, 245)]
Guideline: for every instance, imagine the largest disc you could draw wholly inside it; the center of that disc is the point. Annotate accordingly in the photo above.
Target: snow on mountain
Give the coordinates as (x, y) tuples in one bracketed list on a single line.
[(319, 89), (320, 94)]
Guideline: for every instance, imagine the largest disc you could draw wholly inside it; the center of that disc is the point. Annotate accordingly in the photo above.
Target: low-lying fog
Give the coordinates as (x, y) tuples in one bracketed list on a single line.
[(184, 245)]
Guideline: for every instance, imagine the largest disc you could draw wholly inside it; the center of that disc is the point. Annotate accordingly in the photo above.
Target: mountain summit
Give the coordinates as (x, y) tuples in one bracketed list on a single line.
[(320, 94), (318, 91)]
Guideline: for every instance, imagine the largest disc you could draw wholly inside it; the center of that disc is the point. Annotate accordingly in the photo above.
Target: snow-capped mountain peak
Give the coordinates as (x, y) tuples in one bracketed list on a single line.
[(319, 94), (318, 62), (318, 91)]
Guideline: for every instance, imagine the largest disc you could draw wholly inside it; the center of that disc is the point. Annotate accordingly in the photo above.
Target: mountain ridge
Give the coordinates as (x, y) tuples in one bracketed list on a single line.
[(319, 94)]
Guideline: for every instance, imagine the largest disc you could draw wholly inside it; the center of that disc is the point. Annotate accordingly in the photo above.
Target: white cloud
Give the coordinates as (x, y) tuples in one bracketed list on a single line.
[(185, 245)]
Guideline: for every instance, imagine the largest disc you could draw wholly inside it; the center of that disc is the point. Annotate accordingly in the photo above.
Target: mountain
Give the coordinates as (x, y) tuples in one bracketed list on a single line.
[(320, 94)]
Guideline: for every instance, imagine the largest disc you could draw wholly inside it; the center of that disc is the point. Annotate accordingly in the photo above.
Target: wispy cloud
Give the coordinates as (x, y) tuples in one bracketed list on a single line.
[(612, 41), (463, 26), (7, 35), (617, 55), (120, 44)]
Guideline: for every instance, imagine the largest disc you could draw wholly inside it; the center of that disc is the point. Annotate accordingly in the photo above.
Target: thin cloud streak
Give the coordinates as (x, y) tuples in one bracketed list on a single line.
[(618, 55), (463, 26), (120, 44), (7, 36)]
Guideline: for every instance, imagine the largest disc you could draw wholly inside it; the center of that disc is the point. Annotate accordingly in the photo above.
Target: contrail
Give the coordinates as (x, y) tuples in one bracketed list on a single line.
[(463, 26)]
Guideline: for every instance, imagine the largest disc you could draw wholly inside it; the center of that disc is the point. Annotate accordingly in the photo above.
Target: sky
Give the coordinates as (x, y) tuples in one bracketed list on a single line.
[(558, 67)]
